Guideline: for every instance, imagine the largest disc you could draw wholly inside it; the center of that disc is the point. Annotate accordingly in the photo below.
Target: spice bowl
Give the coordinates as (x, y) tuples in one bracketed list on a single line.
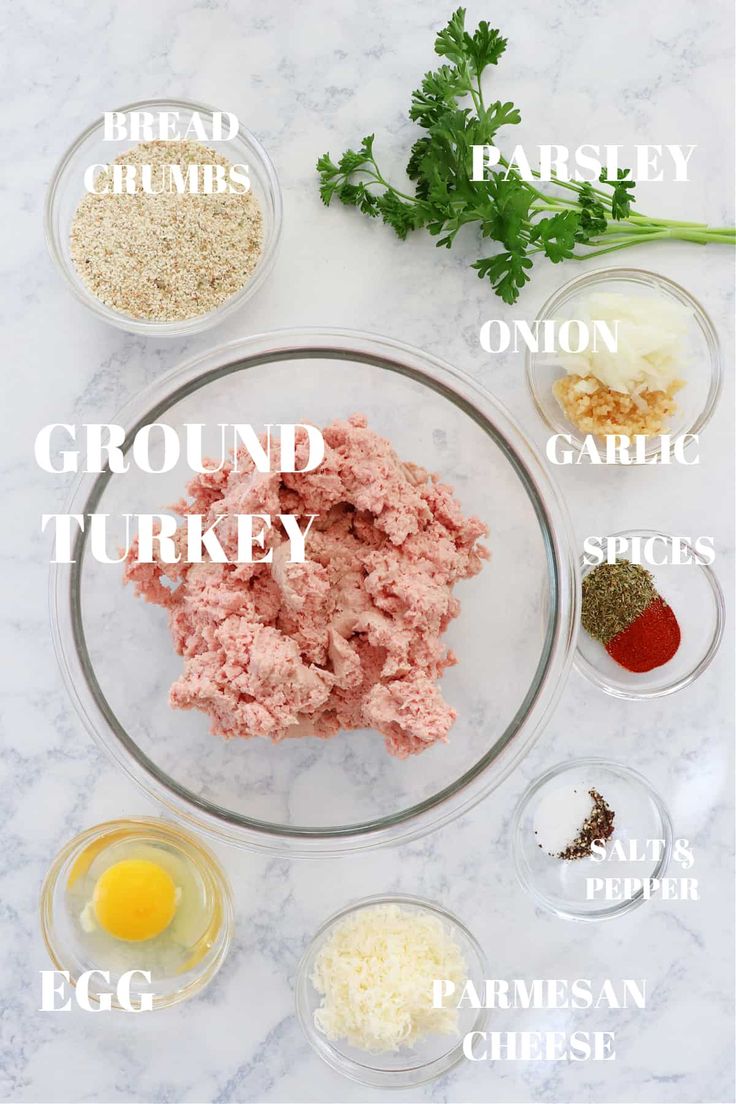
[(696, 401), (555, 807), (427, 1058), (67, 189), (694, 594), (180, 960)]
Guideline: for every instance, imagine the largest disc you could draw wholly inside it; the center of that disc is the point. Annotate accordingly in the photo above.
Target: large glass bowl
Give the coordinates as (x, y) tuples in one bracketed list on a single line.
[(66, 191), (514, 636)]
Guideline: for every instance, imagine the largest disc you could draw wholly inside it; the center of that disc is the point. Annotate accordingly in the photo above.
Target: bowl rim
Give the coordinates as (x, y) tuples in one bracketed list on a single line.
[(366, 1074), (197, 323), (521, 866), (173, 831), (639, 276), (562, 622), (589, 671)]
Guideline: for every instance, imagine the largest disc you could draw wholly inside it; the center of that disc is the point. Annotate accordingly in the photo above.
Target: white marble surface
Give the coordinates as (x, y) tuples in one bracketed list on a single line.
[(307, 77)]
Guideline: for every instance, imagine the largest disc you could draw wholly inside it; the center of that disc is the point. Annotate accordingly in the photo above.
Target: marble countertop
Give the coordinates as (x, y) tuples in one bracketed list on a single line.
[(306, 77)]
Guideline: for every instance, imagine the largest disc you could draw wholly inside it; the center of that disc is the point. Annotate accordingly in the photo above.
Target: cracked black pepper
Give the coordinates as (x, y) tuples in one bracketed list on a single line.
[(597, 826)]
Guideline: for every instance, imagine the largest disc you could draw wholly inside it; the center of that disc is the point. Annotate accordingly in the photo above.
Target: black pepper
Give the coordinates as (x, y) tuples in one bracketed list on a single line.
[(597, 826)]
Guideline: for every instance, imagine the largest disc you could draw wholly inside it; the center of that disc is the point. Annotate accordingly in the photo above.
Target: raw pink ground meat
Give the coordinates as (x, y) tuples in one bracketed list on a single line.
[(350, 639)]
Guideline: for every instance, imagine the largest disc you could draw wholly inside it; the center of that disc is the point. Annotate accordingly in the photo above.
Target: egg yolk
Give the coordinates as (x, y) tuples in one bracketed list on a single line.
[(134, 900)]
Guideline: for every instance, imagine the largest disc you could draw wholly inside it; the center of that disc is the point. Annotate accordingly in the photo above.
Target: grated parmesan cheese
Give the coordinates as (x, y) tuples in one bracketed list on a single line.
[(375, 973)]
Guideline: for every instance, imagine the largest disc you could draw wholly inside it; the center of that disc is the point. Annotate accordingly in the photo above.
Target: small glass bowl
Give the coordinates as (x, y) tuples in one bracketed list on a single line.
[(697, 399), (560, 885), (696, 598), (67, 190), (70, 950), (429, 1057)]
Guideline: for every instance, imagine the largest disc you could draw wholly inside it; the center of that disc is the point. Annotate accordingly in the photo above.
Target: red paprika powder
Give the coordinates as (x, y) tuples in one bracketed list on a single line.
[(649, 641)]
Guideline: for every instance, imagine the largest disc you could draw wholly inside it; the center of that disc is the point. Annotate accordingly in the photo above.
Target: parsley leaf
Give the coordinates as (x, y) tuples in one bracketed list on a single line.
[(623, 192), (524, 221), (557, 235), (592, 215), (450, 42), (485, 47), (438, 92), (507, 272)]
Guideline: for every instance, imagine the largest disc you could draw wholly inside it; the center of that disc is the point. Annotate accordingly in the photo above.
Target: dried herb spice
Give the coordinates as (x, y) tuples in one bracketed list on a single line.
[(614, 595), (622, 609), (597, 826)]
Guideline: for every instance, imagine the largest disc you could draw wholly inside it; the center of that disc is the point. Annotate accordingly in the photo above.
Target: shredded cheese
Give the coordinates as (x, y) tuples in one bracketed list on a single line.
[(375, 973)]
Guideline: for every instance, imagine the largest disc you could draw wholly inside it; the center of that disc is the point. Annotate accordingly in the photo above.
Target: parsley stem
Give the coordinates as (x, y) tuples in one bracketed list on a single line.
[(376, 178), (625, 227), (620, 245), (574, 186), (553, 205), (701, 237), (664, 222), (477, 104), (481, 101)]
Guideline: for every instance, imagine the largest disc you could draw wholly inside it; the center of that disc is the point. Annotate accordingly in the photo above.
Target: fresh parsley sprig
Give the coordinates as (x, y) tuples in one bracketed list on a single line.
[(569, 220)]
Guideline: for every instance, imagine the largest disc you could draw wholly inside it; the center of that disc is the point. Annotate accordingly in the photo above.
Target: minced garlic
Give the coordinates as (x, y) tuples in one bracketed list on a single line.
[(594, 408), (375, 974)]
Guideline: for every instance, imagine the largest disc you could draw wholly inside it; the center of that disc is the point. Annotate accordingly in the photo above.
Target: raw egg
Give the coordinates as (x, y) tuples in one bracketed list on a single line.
[(135, 900), (144, 902)]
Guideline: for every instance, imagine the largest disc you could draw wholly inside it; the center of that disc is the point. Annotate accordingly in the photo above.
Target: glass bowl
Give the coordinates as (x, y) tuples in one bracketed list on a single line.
[(67, 189), (428, 1058), (72, 948), (549, 807), (514, 636), (695, 595), (696, 401)]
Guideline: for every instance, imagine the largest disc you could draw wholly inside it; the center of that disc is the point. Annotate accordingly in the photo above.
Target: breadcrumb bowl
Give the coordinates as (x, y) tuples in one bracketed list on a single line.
[(67, 191)]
